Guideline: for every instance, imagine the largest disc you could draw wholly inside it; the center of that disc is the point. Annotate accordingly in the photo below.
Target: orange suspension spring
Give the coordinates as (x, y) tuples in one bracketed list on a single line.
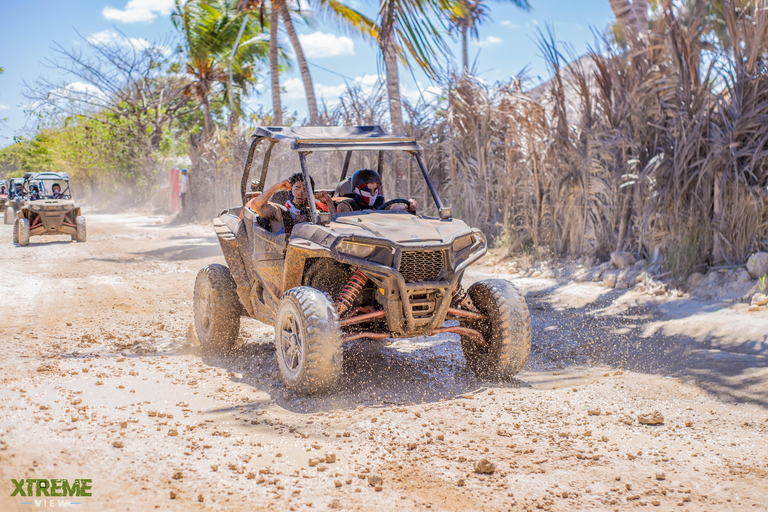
[(460, 298), (350, 291), (459, 295)]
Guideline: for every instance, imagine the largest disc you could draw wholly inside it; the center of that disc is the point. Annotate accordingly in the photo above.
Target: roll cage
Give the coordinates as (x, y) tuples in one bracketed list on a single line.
[(306, 140), (45, 180)]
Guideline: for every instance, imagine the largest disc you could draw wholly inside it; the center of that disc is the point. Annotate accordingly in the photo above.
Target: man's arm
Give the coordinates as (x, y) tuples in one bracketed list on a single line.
[(323, 196), (261, 204)]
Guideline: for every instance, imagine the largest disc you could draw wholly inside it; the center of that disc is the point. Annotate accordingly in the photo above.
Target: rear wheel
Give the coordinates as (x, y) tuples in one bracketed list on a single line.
[(507, 330), (16, 231), (216, 308), (80, 222), (10, 215), (23, 232), (308, 341)]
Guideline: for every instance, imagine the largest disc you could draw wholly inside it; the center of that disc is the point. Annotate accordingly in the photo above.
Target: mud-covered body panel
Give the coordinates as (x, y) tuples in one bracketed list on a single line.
[(415, 299)]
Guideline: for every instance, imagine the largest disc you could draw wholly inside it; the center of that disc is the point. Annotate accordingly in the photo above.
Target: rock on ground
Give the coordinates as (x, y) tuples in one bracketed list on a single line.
[(623, 259), (757, 265)]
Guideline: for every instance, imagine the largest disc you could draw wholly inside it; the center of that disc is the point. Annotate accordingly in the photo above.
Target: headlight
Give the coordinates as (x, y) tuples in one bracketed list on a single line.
[(462, 243), (356, 250)]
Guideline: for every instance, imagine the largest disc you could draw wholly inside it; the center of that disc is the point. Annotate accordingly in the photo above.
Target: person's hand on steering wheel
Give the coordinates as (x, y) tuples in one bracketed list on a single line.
[(410, 205)]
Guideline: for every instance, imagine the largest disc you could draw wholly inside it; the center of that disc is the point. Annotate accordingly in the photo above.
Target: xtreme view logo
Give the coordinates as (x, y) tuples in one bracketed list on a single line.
[(51, 488)]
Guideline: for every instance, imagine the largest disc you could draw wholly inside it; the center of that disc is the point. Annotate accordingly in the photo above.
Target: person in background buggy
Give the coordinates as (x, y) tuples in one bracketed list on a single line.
[(18, 191), (56, 192)]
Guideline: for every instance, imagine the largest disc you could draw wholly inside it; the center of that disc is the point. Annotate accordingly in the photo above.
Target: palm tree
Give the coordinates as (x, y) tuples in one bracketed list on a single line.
[(466, 15), (631, 17), (209, 29), (406, 26), (347, 17)]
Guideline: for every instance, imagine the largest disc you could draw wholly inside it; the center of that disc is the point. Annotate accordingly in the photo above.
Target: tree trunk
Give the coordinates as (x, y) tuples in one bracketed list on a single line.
[(464, 58), (641, 12), (274, 71), (208, 129), (393, 86), (309, 89), (626, 18)]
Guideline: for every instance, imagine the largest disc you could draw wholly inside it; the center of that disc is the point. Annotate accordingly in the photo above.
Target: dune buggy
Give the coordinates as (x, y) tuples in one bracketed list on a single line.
[(3, 195), (14, 201), (45, 213), (371, 274)]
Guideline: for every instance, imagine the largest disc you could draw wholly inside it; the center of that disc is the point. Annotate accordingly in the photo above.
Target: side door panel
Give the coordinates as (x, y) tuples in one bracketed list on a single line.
[(267, 252)]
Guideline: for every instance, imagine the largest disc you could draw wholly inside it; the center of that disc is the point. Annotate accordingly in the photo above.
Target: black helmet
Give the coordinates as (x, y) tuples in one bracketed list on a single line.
[(364, 176)]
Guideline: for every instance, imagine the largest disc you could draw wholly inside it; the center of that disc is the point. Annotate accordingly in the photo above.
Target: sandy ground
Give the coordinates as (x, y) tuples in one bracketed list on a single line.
[(101, 381)]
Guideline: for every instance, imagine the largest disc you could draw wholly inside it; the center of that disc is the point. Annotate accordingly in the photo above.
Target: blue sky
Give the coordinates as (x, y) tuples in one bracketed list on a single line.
[(507, 45)]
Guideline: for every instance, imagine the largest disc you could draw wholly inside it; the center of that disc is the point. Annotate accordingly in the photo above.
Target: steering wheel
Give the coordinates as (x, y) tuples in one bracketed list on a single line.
[(393, 201)]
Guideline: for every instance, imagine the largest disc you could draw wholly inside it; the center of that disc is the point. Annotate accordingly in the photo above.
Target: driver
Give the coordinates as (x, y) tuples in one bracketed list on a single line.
[(19, 192), (56, 192), (296, 209), (366, 185), (3, 192), (34, 194)]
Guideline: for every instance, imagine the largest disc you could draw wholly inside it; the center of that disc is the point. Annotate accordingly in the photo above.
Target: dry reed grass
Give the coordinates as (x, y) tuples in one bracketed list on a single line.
[(660, 149)]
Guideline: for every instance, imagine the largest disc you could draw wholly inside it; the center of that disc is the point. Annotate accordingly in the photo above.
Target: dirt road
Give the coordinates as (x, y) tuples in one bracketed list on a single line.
[(101, 381)]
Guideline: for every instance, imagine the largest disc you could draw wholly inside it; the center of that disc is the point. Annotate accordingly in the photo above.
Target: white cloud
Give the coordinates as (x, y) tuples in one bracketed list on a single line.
[(112, 38), (509, 24), (489, 41), (77, 91), (3, 107), (294, 89), (139, 11), (320, 44)]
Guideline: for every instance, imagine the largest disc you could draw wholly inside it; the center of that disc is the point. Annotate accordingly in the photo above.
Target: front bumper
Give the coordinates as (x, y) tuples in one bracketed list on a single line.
[(413, 308)]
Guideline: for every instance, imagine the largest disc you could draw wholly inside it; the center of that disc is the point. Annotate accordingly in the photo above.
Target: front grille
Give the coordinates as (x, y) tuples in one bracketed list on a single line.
[(418, 266)]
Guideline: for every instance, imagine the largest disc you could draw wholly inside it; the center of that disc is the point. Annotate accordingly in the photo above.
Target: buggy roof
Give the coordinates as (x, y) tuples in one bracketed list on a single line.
[(48, 176), (337, 138)]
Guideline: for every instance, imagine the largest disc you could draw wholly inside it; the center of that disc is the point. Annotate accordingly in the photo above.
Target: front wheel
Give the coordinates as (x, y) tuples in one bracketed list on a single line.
[(216, 308), (10, 215), (80, 223), (308, 341), (507, 331), (23, 232), (16, 231)]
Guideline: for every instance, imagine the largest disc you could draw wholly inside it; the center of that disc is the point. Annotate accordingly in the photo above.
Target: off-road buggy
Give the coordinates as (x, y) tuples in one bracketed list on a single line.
[(359, 275), (3, 195), (42, 214), (13, 202)]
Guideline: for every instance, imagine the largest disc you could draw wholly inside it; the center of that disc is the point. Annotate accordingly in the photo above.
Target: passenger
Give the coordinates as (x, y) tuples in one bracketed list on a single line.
[(296, 210), (34, 194), (366, 185), (56, 192), (3, 193), (19, 192)]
